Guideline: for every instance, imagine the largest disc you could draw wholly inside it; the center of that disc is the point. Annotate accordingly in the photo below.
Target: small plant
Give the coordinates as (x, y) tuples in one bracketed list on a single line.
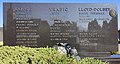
[(1, 43)]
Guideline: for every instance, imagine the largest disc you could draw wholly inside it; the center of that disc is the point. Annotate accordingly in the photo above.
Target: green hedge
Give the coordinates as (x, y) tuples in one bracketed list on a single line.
[(27, 55), (89, 60)]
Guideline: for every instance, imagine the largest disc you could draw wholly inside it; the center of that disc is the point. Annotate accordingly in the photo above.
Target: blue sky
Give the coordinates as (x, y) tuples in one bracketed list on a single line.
[(60, 1)]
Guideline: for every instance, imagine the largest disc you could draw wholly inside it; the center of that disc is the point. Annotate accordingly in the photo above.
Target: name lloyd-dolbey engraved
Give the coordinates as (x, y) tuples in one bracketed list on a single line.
[(93, 9)]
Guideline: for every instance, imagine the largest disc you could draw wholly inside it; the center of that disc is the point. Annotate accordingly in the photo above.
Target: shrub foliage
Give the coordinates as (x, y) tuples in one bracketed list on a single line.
[(27, 55)]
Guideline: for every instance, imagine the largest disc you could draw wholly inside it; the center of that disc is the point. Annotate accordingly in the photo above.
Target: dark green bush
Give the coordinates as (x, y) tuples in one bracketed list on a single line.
[(27, 55)]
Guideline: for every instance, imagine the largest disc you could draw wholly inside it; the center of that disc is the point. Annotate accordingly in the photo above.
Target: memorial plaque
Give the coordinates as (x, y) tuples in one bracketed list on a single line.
[(90, 27)]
